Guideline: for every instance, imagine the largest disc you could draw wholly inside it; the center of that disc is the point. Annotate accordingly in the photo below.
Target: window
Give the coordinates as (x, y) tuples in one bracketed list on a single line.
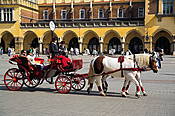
[(120, 12), (45, 14), (141, 12), (6, 14), (168, 6), (82, 14), (100, 13), (63, 14)]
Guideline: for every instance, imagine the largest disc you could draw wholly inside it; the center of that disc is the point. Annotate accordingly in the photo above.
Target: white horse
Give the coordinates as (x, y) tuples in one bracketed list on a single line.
[(105, 64)]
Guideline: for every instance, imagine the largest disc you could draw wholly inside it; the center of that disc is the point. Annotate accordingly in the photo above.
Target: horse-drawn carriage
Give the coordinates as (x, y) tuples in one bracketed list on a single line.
[(34, 75), (67, 78)]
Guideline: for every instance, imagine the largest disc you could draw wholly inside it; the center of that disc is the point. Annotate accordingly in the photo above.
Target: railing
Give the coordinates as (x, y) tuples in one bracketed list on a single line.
[(8, 1), (84, 24)]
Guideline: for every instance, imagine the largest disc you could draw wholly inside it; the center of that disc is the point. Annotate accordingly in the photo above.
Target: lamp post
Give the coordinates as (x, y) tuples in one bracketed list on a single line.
[(52, 28)]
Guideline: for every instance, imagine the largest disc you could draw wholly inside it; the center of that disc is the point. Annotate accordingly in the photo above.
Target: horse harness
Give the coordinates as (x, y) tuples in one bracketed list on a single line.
[(136, 66)]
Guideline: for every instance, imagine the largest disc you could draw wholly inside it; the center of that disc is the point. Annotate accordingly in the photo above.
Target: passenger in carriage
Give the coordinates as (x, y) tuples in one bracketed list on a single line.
[(31, 59), (23, 53)]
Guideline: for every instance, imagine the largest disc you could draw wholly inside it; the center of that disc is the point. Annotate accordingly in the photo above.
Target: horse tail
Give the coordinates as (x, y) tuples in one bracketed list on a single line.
[(91, 72)]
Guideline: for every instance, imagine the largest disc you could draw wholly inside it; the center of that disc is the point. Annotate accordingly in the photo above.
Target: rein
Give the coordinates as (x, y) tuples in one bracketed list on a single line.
[(113, 71)]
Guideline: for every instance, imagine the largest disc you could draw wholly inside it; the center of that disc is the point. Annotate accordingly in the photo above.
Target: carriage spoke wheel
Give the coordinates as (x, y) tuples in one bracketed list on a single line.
[(13, 79), (63, 84), (78, 83), (31, 82)]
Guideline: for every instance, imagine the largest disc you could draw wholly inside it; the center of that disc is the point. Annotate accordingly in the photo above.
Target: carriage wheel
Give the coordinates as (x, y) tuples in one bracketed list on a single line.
[(63, 84), (13, 79), (78, 83), (32, 82)]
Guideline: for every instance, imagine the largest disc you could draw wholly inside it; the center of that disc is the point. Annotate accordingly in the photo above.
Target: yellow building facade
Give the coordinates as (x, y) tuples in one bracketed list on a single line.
[(24, 24)]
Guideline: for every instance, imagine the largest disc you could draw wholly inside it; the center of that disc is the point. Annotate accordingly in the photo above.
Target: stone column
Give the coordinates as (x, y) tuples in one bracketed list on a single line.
[(148, 43), (173, 48), (160, 7), (123, 49), (80, 47), (18, 44), (101, 47), (41, 48)]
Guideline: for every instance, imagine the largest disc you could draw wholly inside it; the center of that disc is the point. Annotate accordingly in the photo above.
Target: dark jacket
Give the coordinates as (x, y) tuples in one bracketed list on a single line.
[(53, 49)]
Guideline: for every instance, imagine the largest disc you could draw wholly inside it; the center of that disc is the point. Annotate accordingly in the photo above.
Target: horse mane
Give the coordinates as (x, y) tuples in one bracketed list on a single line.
[(141, 59)]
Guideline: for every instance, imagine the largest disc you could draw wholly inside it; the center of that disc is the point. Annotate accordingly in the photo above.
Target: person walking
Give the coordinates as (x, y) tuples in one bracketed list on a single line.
[(1, 50), (53, 48), (9, 51)]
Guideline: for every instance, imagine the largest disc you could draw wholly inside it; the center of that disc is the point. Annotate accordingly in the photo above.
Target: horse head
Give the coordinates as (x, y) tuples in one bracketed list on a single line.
[(153, 63)]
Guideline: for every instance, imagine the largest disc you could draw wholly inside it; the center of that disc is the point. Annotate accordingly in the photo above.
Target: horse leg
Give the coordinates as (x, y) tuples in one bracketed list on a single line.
[(132, 78), (104, 83), (98, 83), (90, 79), (123, 93), (140, 83), (127, 87), (90, 83)]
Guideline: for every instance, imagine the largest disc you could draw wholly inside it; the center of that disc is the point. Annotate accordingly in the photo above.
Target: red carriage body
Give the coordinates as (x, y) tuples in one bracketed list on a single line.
[(32, 75)]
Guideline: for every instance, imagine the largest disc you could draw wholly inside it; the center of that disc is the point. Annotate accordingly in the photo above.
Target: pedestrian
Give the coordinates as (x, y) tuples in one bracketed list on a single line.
[(62, 48), (1, 50), (31, 50), (37, 52), (71, 51), (9, 51), (53, 48), (77, 51), (94, 52)]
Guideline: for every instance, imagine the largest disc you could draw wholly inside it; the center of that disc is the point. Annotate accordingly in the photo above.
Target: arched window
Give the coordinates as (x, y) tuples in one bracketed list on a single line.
[(93, 44), (136, 45), (82, 14), (100, 13)]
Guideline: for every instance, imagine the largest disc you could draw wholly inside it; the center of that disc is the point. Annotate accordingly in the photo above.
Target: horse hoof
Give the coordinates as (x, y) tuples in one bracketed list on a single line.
[(145, 94), (88, 90), (102, 94), (137, 95), (126, 93), (123, 94)]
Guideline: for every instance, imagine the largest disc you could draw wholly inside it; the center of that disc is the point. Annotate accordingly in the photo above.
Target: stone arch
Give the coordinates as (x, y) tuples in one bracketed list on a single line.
[(30, 40), (159, 30), (71, 39), (88, 38), (47, 38), (134, 41), (7, 40), (163, 39), (112, 40)]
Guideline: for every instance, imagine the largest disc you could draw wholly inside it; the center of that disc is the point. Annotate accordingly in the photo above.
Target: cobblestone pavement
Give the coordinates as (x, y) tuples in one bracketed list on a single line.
[(44, 100)]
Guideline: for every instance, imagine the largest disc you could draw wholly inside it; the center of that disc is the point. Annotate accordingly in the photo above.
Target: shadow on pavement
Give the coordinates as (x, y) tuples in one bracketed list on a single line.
[(80, 93)]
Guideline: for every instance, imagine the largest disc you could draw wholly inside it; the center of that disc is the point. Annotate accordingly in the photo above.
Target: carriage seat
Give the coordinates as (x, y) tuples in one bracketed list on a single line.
[(61, 61)]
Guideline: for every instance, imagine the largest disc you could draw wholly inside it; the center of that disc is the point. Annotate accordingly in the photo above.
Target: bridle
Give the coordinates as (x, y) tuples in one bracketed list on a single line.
[(153, 63)]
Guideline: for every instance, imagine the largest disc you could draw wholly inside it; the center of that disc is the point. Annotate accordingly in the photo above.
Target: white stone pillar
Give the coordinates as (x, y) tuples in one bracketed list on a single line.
[(40, 46), (101, 47), (173, 48), (80, 47)]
